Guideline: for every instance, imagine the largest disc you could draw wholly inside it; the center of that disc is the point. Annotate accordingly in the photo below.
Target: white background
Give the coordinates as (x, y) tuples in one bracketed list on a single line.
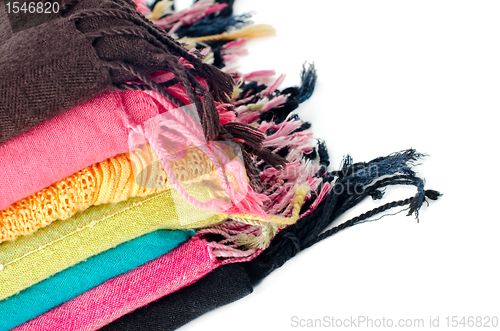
[(391, 75)]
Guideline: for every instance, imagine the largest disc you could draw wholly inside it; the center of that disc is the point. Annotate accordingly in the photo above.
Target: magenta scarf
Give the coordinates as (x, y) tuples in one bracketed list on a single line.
[(107, 302), (87, 134)]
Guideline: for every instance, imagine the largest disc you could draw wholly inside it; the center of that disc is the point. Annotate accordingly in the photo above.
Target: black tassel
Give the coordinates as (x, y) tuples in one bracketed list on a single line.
[(392, 170), (295, 96), (308, 77)]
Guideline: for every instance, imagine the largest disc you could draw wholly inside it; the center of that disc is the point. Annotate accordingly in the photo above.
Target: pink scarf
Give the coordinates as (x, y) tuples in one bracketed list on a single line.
[(87, 134), (120, 295)]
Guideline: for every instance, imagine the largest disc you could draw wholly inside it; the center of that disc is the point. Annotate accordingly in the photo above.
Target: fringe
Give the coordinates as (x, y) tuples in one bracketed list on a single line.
[(310, 229), (220, 84), (262, 123)]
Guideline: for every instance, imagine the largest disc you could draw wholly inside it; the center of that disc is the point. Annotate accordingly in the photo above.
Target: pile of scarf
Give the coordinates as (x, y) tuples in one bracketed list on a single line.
[(145, 180)]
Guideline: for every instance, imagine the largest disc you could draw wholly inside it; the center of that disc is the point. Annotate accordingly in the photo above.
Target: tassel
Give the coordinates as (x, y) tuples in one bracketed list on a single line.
[(210, 117), (296, 95), (308, 77), (324, 158), (253, 143), (252, 173), (395, 170), (251, 136), (220, 83), (266, 155)]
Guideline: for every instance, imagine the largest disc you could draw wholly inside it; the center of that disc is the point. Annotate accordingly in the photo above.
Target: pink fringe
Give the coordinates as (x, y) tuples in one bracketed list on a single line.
[(142, 7), (279, 193), (321, 197), (261, 76), (199, 10)]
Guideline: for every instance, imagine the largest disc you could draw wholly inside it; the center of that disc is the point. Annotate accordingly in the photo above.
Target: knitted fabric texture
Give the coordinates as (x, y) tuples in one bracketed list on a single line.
[(95, 46), (30, 259), (110, 181), (87, 134), (73, 281)]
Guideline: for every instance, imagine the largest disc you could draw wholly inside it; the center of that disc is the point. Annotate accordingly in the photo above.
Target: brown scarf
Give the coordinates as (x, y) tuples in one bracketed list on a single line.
[(90, 47)]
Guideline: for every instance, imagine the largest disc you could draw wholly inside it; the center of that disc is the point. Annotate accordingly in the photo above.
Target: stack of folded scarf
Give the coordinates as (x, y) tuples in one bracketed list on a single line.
[(139, 168)]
